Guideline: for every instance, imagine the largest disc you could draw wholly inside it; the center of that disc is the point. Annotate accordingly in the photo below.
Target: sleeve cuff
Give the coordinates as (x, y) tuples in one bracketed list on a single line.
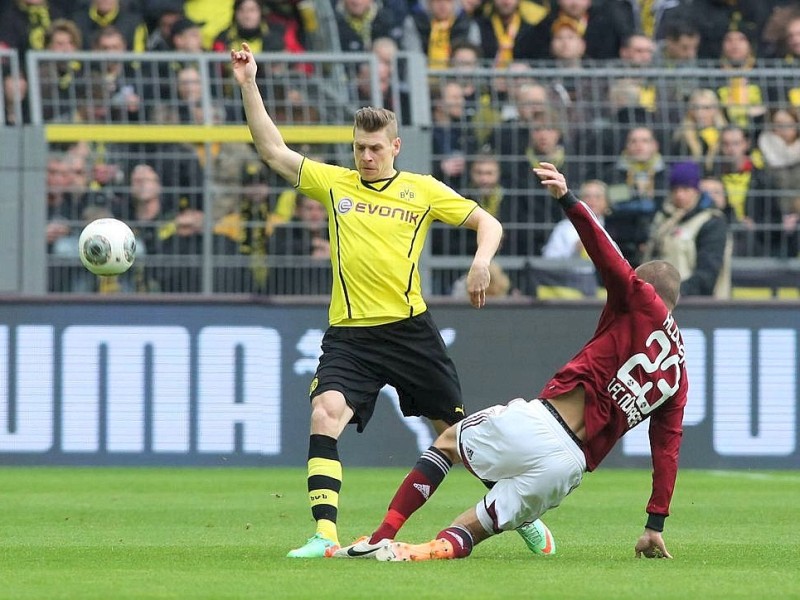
[(655, 522), (568, 200)]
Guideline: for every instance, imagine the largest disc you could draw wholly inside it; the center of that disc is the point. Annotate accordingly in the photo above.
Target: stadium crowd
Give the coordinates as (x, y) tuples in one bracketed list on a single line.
[(615, 93)]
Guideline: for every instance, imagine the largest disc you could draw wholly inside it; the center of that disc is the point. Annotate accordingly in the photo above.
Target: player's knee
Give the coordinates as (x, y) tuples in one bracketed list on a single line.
[(446, 443), (328, 411)]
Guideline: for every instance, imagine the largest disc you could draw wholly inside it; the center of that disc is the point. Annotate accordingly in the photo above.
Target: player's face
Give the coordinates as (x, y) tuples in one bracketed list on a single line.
[(374, 154)]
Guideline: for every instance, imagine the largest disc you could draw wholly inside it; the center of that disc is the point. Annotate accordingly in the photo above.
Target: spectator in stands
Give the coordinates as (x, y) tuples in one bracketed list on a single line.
[(605, 133), (715, 190), (473, 8), (780, 146), (604, 27), (636, 189), (453, 139), (466, 59), (186, 36), (306, 234), (531, 103), (179, 233), (435, 27), (714, 19), (739, 170), (785, 90), (60, 208), (77, 164), (309, 234), (119, 78), (567, 46), (749, 191), (15, 99), (160, 16), (301, 20), (506, 89), (245, 230), (187, 107), (23, 25), (57, 78), (677, 50), (539, 139), (486, 189), (637, 52), (360, 22), (679, 45), (741, 96), (544, 143), (395, 99), (507, 30), (773, 35), (564, 241), (697, 137), (690, 233), (250, 25), (146, 206), (111, 13)]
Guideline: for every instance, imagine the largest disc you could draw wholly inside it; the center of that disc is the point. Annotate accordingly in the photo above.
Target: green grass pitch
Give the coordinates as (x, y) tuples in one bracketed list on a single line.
[(216, 533)]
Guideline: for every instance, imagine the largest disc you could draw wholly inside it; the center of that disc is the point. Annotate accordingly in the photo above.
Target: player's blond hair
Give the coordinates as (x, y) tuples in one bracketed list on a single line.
[(371, 119)]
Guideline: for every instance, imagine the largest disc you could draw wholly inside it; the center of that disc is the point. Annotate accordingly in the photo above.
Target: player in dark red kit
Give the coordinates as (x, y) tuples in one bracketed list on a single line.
[(533, 453)]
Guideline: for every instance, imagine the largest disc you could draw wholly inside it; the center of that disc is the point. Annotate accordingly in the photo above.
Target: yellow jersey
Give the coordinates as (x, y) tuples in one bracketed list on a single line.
[(377, 231)]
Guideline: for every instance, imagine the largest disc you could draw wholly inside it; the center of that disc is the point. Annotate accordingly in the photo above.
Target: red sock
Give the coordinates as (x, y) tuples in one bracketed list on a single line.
[(415, 490), (460, 538)]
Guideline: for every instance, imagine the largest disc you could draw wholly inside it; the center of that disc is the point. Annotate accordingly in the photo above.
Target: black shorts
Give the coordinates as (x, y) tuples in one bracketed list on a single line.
[(409, 355)]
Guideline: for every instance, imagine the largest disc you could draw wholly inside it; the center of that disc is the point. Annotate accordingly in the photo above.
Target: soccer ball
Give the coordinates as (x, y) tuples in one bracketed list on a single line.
[(107, 247)]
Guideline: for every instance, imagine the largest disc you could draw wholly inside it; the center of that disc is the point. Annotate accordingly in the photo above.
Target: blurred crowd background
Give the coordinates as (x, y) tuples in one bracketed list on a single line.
[(616, 93)]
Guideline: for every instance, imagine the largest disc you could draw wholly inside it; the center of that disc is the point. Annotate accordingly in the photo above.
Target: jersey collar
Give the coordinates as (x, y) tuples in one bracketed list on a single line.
[(380, 185)]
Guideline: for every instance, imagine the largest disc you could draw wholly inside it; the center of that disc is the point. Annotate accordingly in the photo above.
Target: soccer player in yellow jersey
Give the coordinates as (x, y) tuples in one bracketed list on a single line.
[(380, 331)]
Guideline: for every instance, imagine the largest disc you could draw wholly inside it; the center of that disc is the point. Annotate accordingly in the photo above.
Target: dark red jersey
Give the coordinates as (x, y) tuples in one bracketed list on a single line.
[(632, 368)]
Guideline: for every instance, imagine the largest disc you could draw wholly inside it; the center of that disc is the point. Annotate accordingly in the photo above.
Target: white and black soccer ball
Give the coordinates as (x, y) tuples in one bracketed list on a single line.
[(107, 247)]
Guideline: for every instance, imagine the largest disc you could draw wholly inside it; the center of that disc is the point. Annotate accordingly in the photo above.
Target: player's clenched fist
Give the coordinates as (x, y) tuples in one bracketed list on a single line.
[(244, 64)]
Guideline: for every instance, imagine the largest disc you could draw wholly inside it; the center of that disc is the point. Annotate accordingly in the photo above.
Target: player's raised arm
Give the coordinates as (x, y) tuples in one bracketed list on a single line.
[(268, 140), (612, 266)]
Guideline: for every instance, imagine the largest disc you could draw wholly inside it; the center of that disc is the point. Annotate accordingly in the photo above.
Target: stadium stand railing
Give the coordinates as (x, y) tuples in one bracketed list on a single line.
[(104, 114), (10, 107)]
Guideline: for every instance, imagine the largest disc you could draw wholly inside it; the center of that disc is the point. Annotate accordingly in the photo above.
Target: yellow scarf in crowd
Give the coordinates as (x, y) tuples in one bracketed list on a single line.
[(38, 23), (505, 39), (439, 43)]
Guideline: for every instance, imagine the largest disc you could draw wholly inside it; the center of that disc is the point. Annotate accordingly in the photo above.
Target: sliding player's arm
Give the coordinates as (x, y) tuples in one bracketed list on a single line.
[(615, 272)]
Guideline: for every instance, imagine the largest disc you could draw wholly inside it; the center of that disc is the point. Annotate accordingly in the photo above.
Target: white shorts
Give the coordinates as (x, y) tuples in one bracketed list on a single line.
[(527, 454)]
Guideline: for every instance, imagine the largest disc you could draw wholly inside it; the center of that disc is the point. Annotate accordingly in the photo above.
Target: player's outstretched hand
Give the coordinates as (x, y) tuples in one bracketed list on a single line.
[(477, 283), (244, 64), (651, 545), (552, 179)]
